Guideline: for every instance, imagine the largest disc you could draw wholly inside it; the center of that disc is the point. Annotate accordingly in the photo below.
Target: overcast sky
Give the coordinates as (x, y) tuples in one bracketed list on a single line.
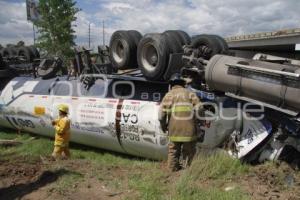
[(222, 17)]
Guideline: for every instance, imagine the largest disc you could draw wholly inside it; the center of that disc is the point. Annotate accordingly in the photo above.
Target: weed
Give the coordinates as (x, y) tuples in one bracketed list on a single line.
[(31, 148), (143, 177), (191, 192), (66, 182), (149, 184), (215, 166)]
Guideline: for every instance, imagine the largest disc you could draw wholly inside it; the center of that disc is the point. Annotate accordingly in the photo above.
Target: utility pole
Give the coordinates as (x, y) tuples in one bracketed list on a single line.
[(33, 29), (89, 35), (103, 33)]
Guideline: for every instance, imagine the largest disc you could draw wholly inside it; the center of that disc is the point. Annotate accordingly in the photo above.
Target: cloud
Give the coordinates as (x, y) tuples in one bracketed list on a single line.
[(225, 18), (118, 8), (81, 27), (206, 16), (14, 24)]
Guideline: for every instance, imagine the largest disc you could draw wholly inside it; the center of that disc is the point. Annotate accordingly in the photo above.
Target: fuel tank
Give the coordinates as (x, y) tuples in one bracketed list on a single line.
[(270, 83), (128, 126)]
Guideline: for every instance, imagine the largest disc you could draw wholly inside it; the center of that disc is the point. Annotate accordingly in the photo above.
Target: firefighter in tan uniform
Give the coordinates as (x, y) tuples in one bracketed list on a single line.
[(177, 116), (62, 133)]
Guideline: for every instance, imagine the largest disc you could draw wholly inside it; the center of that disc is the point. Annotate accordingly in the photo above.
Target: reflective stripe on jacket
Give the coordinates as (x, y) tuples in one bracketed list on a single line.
[(62, 131), (177, 110)]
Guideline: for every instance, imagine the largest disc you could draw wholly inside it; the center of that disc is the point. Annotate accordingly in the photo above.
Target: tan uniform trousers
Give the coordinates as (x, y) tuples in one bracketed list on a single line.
[(176, 149)]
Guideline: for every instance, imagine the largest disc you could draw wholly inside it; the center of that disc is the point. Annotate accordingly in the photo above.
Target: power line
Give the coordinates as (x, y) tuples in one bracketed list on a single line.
[(33, 29)]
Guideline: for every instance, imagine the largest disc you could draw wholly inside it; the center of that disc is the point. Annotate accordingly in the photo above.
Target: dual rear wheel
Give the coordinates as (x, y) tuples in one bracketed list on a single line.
[(151, 52)]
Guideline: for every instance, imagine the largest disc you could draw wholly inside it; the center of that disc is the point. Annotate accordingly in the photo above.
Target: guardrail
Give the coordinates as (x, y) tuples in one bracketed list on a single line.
[(265, 35)]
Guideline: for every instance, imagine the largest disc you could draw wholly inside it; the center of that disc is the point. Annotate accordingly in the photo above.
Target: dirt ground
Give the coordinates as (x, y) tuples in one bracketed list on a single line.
[(22, 180), (37, 179), (271, 182)]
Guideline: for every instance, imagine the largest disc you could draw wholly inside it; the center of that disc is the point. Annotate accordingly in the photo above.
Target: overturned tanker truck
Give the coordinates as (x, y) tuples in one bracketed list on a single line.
[(251, 106)]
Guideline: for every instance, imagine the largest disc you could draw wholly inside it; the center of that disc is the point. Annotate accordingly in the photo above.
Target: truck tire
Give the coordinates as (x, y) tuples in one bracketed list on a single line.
[(48, 68), (9, 52), (186, 38), (182, 36), (122, 50), (34, 51), (136, 36), (174, 41), (13, 51), (1, 51), (6, 73), (2, 64), (207, 44), (5, 53), (223, 43), (26, 53), (153, 55)]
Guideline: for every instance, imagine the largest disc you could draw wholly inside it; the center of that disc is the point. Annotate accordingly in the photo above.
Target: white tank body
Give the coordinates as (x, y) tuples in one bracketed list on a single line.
[(126, 126)]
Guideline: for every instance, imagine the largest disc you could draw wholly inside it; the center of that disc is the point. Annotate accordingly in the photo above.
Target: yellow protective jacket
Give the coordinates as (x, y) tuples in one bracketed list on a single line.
[(177, 113), (62, 131)]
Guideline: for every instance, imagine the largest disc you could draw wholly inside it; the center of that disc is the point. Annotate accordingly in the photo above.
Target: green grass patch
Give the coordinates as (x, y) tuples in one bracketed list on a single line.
[(7, 134), (217, 165), (149, 184), (109, 158), (67, 182), (42, 146), (144, 177), (102, 157), (186, 189), (190, 192), (207, 176), (30, 147)]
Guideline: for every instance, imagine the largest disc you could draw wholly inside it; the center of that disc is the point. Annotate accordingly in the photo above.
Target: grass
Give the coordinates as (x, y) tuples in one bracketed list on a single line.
[(31, 147), (217, 165), (107, 158), (144, 178), (209, 194), (67, 182), (206, 177), (149, 184)]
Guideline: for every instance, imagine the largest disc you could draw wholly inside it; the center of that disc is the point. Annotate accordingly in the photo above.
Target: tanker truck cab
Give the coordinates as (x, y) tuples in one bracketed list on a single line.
[(113, 112)]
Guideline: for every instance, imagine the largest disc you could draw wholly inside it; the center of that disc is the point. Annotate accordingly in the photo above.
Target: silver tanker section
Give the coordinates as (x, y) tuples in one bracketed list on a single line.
[(274, 85)]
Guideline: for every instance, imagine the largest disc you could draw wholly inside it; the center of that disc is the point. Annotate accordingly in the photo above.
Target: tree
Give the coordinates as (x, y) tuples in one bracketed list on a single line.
[(56, 34)]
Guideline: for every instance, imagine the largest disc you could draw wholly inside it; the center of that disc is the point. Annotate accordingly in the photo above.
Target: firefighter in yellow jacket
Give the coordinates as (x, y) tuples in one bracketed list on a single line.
[(177, 116), (62, 133)]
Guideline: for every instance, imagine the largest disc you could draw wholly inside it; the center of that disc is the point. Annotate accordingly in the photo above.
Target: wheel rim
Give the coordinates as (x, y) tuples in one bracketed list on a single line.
[(150, 57), (118, 51)]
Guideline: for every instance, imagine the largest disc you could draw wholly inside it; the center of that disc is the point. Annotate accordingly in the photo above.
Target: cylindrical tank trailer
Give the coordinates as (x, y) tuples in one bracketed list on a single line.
[(269, 83)]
